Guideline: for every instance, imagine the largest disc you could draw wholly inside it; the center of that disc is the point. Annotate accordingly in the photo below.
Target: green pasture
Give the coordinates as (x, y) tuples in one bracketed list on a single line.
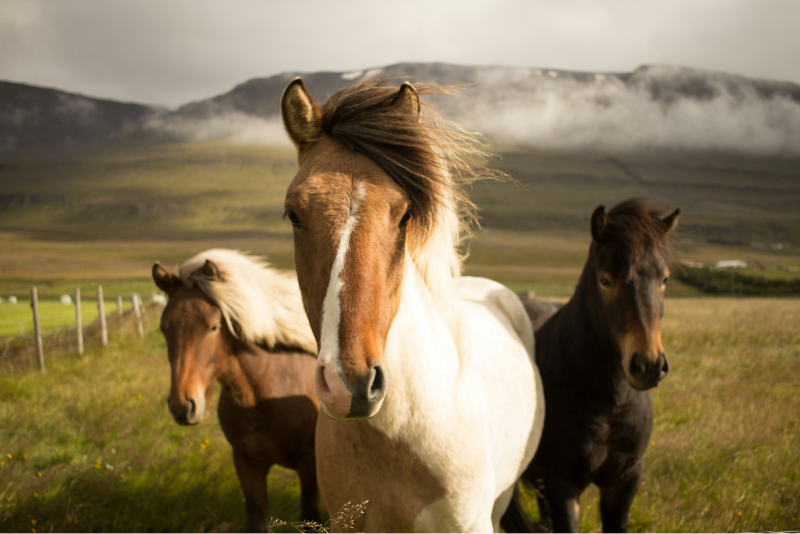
[(18, 318), (93, 448)]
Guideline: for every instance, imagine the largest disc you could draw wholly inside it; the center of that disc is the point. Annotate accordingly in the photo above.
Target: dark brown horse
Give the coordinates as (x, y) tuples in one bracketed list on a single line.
[(233, 320), (599, 355)]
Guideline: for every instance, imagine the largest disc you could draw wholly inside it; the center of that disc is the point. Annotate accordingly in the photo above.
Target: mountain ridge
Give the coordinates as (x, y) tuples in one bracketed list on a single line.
[(651, 107), (41, 120)]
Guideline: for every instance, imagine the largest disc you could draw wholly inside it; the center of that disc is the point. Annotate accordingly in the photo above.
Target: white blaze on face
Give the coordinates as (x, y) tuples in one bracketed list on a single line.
[(331, 309)]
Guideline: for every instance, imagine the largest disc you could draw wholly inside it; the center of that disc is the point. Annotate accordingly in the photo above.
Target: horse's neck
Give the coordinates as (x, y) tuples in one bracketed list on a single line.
[(243, 370), (422, 358), (591, 356)]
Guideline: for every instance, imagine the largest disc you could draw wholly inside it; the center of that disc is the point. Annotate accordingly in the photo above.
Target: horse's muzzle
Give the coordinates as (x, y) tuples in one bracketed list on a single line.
[(647, 372), (188, 412), (350, 400)]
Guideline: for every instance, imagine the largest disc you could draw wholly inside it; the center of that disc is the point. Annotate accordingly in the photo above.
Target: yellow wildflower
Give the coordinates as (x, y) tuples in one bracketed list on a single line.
[(123, 475), (202, 446), (33, 522), (25, 457), (2, 462), (9, 455), (139, 395), (97, 466), (39, 473), (739, 514), (35, 494), (652, 443), (207, 441)]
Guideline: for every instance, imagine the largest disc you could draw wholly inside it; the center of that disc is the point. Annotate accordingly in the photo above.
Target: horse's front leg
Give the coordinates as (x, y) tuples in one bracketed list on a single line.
[(309, 492), (562, 499), (253, 478), (616, 500)]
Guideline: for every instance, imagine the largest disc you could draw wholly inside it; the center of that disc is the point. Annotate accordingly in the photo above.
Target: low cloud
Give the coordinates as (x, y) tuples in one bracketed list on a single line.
[(651, 108), (608, 113), (233, 127)]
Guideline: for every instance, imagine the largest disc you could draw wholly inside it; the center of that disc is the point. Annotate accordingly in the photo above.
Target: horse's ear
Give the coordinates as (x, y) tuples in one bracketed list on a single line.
[(671, 221), (407, 100), (165, 280), (301, 115), (210, 270), (600, 224)]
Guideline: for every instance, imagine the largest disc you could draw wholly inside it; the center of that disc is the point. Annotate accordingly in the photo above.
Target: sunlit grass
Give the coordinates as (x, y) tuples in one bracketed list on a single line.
[(18, 318), (93, 448), (725, 451)]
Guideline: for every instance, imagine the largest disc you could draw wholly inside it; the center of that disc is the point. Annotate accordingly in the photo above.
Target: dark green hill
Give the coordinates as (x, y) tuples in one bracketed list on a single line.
[(39, 120), (123, 191)]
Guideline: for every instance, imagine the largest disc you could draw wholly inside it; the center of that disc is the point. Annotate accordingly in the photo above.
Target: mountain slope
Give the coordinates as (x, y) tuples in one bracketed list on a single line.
[(654, 107), (38, 120)]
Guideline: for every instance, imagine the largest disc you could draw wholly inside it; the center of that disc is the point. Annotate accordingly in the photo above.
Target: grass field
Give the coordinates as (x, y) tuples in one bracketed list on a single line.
[(18, 318), (725, 454)]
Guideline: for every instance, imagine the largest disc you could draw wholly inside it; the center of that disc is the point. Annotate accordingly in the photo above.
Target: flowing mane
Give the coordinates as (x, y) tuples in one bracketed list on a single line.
[(429, 157), (259, 304)]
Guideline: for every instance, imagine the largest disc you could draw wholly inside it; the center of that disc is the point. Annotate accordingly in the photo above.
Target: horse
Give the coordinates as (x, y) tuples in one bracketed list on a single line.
[(230, 318), (432, 398), (599, 356)]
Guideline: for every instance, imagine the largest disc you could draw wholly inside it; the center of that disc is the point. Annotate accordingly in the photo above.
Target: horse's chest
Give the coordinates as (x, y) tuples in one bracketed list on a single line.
[(273, 431), (615, 442), (356, 462)]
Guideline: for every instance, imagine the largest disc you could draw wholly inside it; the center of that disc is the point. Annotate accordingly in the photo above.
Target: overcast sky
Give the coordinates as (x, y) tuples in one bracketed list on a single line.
[(172, 52)]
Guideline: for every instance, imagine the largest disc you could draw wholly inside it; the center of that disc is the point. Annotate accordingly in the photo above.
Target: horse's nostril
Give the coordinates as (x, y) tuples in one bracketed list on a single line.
[(192, 407), (377, 381), (664, 367), (638, 365)]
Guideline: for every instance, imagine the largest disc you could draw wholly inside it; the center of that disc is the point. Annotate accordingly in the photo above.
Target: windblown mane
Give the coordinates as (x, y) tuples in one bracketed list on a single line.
[(637, 229), (259, 304), (429, 157)]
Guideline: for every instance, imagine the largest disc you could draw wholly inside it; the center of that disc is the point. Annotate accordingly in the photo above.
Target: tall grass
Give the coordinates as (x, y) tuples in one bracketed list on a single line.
[(91, 447), (725, 454)]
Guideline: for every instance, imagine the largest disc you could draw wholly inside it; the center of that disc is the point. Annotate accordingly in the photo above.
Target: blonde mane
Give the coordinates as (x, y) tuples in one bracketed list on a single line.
[(259, 304)]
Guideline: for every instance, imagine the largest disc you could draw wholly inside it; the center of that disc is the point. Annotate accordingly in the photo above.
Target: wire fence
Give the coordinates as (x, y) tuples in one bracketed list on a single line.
[(18, 352)]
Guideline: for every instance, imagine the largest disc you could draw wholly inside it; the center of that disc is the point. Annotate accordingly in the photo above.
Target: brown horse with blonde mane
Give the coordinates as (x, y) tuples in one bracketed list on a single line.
[(599, 355), (432, 399), (232, 319)]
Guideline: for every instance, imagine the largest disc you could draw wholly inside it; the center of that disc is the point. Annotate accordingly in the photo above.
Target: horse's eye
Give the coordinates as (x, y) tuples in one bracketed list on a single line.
[(293, 218), (405, 219), (666, 279), (604, 282), (214, 329)]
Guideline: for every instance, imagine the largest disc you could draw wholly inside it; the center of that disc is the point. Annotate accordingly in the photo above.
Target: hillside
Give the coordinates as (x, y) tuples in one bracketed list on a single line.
[(109, 212), (38, 120)]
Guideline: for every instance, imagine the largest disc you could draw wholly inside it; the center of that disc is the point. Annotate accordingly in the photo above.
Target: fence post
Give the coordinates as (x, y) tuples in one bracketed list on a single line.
[(78, 320), (138, 313), (119, 305), (37, 327), (102, 309)]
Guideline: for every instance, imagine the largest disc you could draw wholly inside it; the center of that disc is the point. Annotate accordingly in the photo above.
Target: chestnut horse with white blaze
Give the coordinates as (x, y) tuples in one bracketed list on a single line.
[(433, 401), (232, 319)]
